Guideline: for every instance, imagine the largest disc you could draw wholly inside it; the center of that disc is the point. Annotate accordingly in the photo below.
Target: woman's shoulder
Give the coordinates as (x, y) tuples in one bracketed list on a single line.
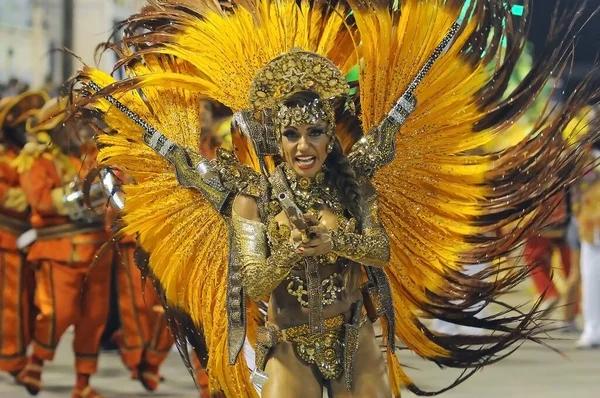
[(246, 206)]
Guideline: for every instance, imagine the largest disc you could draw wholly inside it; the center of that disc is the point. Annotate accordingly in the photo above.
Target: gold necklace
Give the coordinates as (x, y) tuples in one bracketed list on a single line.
[(303, 183), (312, 193)]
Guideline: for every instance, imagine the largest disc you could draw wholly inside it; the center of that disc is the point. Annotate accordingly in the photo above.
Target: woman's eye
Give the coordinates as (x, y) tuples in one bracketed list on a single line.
[(316, 132), (291, 135)]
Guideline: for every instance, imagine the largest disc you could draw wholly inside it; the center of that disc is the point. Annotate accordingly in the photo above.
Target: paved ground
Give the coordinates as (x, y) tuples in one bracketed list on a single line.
[(532, 372)]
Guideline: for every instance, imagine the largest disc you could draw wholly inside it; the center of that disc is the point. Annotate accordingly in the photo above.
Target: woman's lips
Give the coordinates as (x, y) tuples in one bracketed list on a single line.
[(306, 162)]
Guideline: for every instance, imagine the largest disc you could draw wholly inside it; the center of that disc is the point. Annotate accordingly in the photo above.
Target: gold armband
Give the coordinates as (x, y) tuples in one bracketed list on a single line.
[(260, 275), (372, 246)]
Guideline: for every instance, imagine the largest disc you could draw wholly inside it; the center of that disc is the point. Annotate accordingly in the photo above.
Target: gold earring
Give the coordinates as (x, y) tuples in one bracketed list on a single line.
[(330, 146)]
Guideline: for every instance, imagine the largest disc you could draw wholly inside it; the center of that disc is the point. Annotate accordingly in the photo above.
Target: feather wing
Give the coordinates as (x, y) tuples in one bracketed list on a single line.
[(184, 237), (176, 54), (444, 198)]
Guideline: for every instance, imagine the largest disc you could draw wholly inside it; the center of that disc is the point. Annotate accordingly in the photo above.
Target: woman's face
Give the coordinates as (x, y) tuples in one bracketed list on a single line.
[(305, 147)]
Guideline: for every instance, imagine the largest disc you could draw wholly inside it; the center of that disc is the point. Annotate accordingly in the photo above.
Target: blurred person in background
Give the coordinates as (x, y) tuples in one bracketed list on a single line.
[(12, 89), (144, 341), (16, 277), (538, 255), (572, 291), (68, 237), (587, 215), (538, 250)]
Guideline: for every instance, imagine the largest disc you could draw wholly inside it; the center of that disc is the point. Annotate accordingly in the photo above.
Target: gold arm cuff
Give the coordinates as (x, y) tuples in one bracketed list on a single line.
[(371, 248), (260, 275)]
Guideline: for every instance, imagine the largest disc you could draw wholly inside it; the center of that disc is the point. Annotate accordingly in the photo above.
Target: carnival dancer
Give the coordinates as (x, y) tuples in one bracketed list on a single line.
[(336, 209), (144, 339)]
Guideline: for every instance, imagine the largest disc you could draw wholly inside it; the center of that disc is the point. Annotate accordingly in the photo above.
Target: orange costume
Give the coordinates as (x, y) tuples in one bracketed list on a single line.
[(144, 339), (16, 278), (69, 292)]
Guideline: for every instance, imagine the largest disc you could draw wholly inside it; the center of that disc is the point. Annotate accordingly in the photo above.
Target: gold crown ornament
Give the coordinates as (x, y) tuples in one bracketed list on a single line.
[(296, 71), (293, 72)]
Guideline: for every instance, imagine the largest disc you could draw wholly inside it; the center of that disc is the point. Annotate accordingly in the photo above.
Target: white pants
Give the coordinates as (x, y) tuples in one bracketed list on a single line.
[(454, 329), (590, 283)]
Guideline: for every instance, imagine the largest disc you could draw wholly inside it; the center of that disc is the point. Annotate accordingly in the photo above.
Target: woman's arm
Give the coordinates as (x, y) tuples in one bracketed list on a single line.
[(260, 274), (372, 246)]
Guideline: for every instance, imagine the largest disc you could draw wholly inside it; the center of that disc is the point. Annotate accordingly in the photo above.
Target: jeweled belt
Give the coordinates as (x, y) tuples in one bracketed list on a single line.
[(332, 351)]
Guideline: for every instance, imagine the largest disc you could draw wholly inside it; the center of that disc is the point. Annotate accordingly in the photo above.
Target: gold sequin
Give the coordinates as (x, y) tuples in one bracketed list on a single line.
[(372, 246), (331, 287)]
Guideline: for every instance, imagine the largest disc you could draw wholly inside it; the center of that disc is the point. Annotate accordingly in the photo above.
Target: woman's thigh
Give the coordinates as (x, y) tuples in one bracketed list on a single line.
[(289, 376), (370, 378)]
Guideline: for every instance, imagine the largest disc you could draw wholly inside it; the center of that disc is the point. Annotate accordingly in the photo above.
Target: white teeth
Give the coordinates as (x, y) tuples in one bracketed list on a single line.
[(305, 159)]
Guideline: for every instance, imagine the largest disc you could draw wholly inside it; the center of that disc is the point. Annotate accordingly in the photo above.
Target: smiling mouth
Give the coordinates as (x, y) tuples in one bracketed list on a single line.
[(306, 162)]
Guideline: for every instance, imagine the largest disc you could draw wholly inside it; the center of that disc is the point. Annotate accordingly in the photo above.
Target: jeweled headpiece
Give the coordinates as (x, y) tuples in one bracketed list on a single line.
[(293, 72), (285, 75), (307, 114)]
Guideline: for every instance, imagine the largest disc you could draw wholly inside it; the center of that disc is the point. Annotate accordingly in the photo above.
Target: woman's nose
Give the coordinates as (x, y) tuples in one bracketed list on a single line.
[(303, 143)]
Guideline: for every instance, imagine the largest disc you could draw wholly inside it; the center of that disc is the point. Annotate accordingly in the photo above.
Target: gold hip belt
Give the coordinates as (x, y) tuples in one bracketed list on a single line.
[(331, 351), (324, 350)]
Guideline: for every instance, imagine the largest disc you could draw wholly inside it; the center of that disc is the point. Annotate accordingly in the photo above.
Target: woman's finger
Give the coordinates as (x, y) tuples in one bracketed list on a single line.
[(316, 247), (320, 240), (297, 237), (311, 219), (313, 243), (311, 251), (318, 229)]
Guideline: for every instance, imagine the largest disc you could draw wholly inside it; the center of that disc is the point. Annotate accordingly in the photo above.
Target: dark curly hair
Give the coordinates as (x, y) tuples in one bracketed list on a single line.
[(338, 168)]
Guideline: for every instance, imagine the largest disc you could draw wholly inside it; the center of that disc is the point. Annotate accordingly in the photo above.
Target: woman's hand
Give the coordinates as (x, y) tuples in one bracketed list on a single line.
[(299, 237), (321, 244), (317, 240)]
